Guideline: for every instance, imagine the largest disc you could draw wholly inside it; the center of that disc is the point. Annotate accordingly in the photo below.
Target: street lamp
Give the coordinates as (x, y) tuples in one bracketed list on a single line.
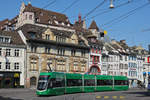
[(111, 4)]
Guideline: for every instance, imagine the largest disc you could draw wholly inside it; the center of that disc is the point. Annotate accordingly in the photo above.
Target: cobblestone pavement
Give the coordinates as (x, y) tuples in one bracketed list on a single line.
[(29, 94)]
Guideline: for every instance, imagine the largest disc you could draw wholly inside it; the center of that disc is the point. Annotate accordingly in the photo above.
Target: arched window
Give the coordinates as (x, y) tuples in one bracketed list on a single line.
[(33, 81), (94, 69)]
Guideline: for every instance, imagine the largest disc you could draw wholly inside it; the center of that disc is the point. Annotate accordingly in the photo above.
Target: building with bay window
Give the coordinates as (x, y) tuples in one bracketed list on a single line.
[(50, 49)]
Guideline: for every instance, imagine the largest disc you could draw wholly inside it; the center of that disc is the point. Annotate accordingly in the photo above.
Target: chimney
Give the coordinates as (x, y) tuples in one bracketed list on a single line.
[(79, 18), (113, 41), (123, 41)]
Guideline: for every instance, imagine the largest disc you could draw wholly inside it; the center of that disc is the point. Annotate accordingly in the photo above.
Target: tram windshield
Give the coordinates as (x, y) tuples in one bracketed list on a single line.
[(42, 82)]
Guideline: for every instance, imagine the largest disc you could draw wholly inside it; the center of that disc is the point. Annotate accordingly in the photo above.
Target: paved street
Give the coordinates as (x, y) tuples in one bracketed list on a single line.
[(29, 94)]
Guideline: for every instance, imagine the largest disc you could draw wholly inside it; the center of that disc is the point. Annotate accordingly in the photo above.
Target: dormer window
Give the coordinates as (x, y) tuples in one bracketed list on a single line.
[(68, 24), (26, 17), (5, 39), (37, 20), (93, 40), (32, 35), (49, 22), (47, 37), (54, 17), (56, 22), (67, 20)]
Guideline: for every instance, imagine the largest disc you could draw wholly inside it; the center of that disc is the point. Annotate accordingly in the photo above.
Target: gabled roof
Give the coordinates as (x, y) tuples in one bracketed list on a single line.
[(3, 22), (46, 15), (94, 26), (38, 30), (15, 38)]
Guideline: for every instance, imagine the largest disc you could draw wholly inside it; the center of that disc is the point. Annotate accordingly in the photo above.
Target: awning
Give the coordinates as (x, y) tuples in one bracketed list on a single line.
[(144, 73), (148, 73)]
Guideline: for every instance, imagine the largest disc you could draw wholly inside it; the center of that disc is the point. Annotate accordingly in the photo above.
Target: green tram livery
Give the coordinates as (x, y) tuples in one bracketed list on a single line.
[(55, 83)]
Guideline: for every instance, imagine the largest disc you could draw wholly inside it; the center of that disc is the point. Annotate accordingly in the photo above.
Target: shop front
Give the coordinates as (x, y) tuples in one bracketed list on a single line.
[(9, 79)]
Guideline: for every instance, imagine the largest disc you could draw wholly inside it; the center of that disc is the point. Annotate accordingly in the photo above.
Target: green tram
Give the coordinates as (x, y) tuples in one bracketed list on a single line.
[(55, 83)]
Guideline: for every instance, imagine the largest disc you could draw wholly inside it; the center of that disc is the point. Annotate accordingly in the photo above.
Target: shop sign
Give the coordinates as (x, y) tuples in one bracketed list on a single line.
[(16, 75)]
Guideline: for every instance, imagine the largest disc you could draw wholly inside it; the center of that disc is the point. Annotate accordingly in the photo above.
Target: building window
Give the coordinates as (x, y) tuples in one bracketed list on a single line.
[(0, 51), (47, 50), (17, 52), (61, 65), (82, 69), (75, 66), (7, 65), (73, 52), (121, 58), (33, 49), (6, 40), (37, 20), (49, 22), (30, 17), (92, 50), (33, 81), (32, 35), (16, 66), (8, 52), (83, 53), (49, 64), (47, 37), (1, 39), (60, 39), (61, 51), (0, 65), (26, 17), (125, 58), (33, 65)]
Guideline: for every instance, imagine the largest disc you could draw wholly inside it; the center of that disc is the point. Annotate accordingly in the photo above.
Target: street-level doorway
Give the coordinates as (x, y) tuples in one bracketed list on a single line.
[(94, 69), (33, 82)]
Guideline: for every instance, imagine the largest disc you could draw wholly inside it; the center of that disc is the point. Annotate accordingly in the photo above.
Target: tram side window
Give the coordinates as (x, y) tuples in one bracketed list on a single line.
[(121, 82), (74, 82), (58, 82), (88, 82), (104, 82)]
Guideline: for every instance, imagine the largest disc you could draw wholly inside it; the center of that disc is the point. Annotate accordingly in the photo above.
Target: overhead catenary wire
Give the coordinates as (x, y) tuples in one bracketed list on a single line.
[(109, 10), (74, 2), (99, 5), (50, 3), (126, 15), (146, 30)]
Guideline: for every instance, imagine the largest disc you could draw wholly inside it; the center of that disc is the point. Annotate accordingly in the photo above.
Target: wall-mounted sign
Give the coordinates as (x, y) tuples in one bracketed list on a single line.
[(16, 75)]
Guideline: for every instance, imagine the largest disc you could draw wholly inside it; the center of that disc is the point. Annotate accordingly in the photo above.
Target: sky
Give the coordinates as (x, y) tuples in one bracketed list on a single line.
[(118, 22)]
